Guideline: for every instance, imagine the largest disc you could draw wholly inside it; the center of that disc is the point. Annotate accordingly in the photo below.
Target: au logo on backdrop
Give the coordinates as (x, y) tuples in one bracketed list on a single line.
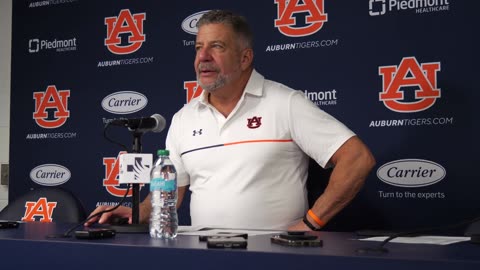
[(110, 182), (409, 73), (298, 19), (125, 23), (51, 100), (125, 35), (51, 112), (287, 16), (410, 87), (193, 89)]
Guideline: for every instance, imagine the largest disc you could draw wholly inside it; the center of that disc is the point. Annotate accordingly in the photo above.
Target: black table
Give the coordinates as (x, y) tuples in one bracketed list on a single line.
[(28, 246)]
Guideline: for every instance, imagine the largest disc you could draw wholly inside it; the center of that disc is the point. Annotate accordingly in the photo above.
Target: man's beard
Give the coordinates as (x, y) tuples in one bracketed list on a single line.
[(218, 83)]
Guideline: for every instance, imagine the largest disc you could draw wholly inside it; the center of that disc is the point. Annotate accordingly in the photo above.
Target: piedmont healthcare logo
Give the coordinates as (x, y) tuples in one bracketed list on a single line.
[(381, 7), (125, 35), (36, 45), (322, 98)]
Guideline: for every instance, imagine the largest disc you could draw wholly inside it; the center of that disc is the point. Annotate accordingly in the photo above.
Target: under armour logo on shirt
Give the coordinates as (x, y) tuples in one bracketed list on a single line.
[(197, 132)]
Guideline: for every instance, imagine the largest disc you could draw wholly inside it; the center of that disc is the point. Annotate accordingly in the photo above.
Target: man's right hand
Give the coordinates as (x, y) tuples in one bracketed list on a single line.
[(121, 211)]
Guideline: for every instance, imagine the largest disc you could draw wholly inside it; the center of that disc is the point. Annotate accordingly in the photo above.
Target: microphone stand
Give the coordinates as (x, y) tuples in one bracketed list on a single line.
[(137, 148), (135, 227)]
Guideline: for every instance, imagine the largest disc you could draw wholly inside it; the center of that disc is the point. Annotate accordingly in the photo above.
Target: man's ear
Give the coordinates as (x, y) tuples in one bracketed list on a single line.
[(247, 58)]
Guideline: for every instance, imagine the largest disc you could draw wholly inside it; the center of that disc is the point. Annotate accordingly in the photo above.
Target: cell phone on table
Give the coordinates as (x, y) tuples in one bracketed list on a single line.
[(95, 233), (227, 242), (297, 236), (8, 224), (296, 240)]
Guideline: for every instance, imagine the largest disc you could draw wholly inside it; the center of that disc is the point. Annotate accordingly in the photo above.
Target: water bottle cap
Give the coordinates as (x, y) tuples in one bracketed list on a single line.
[(163, 152)]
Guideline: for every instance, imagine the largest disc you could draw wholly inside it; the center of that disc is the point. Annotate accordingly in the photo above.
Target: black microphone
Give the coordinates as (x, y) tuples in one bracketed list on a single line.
[(154, 123)]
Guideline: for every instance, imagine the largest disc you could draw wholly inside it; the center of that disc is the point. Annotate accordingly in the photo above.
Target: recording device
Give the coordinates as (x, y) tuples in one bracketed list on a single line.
[(7, 224), (95, 233), (226, 242), (154, 123), (296, 239)]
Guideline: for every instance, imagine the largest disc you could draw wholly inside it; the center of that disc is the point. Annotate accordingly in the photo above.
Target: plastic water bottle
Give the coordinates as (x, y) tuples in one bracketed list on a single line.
[(163, 187)]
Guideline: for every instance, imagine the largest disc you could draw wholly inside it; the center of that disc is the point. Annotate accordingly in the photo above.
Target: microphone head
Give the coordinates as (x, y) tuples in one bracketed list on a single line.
[(161, 122)]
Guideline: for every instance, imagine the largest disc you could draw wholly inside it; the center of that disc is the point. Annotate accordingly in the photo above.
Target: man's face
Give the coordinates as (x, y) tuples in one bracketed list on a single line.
[(217, 61)]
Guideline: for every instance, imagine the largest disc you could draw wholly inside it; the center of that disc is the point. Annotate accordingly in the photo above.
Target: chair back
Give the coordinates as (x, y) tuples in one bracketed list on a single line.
[(45, 204)]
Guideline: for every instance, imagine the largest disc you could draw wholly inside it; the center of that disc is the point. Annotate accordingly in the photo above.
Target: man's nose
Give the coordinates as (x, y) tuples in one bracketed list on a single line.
[(203, 55)]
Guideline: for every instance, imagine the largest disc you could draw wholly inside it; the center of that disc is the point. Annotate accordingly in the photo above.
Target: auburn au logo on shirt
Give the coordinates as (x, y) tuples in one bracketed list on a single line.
[(287, 11), (254, 122), (125, 23), (42, 209), (422, 77), (51, 99)]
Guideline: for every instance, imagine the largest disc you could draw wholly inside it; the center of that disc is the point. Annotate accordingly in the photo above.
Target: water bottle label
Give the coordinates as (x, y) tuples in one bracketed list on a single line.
[(162, 184)]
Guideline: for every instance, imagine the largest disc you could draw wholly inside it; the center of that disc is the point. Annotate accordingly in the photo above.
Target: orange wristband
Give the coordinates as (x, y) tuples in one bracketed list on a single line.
[(315, 218)]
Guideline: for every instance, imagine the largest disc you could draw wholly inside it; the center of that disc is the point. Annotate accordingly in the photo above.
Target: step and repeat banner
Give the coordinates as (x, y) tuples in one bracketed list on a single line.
[(399, 73)]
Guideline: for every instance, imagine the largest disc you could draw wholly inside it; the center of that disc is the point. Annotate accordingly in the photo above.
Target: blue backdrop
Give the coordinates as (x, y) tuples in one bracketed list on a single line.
[(399, 73)]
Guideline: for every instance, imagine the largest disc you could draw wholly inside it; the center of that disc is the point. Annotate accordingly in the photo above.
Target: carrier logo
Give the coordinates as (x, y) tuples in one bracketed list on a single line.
[(421, 79), (110, 182), (41, 208), (57, 104), (124, 102), (411, 173), (288, 11), (189, 25), (193, 90), (130, 27), (50, 175)]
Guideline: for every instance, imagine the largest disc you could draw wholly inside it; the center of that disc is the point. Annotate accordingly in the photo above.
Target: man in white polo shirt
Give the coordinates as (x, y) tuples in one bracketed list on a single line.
[(242, 147)]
